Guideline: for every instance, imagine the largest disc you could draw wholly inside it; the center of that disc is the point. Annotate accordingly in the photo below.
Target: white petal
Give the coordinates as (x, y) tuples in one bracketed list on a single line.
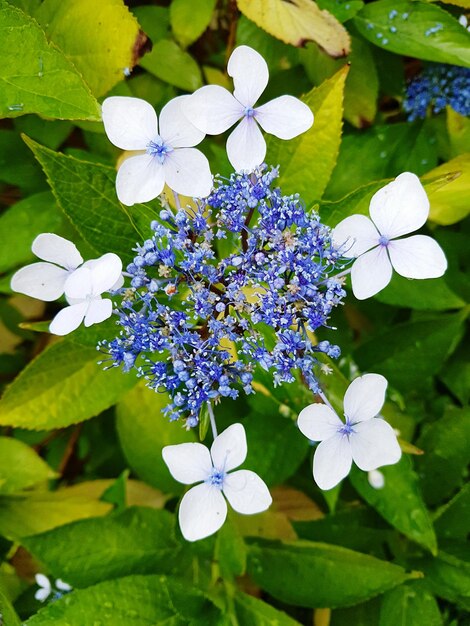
[(371, 273), (355, 234), (229, 448), (62, 586), (105, 272), (250, 74), (318, 422), (56, 249), (418, 256), (400, 207), (202, 512), (286, 117), (175, 128), (139, 179), (43, 281), (187, 171), (332, 461), (376, 479), (246, 147), (212, 109), (43, 581), (79, 284), (42, 594), (188, 462), (130, 123), (68, 319), (364, 397), (246, 492), (98, 311), (374, 444)]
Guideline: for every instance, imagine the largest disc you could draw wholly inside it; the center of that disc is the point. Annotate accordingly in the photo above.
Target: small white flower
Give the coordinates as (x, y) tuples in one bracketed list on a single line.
[(83, 291), (367, 440), (46, 281), (164, 150), (397, 209), (214, 110), (376, 479), (203, 508), (45, 588)]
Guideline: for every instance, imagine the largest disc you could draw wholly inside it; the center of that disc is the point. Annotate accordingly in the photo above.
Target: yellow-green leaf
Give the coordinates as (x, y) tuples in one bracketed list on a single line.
[(174, 66), (306, 162), (449, 202), (20, 466), (35, 76), (100, 38), (298, 21)]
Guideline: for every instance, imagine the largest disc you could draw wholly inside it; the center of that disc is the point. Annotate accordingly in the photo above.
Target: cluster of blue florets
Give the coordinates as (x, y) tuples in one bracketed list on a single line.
[(239, 281), (436, 87)]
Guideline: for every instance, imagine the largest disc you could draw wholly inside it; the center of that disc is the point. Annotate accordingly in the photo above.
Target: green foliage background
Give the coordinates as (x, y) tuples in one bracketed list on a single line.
[(84, 493)]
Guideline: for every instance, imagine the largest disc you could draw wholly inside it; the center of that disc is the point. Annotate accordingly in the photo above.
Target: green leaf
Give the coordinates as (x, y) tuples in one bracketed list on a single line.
[(446, 444), (456, 374), (138, 540), (383, 151), (425, 343), (143, 431), (410, 605), (23, 515), (35, 77), (52, 133), (131, 601), (341, 577), (230, 550), (255, 612), (452, 520), (449, 202), (9, 616), (432, 295), (308, 160), (414, 36), (87, 195), (25, 220), (169, 63), (155, 21), (188, 24), (17, 165), (298, 21), (399, 502), (62, 386), (343, 10), (100, 54), (20, 466), (448, 575), (277, 54)]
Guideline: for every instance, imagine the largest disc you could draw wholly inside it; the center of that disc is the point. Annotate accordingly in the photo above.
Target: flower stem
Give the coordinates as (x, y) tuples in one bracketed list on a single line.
[(212, 419), (325, 400), (343, 273)]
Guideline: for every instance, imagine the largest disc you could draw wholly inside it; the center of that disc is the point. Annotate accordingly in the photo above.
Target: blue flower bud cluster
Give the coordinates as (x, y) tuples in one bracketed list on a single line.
[(238, 282), (437, 86)]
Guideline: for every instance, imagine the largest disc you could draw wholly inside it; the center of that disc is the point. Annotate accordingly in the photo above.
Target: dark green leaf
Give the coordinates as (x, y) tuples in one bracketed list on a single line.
[(452, 520), (319, 575), (416, 29), (410, 605), (255, 612)]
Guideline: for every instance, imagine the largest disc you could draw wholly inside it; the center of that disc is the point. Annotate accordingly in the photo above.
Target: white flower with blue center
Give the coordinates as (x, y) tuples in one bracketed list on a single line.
[(46, 280), (203, 508), (45, 588), (363, 437), (397, 209), (164, 150), (83, 291), (213, 109)]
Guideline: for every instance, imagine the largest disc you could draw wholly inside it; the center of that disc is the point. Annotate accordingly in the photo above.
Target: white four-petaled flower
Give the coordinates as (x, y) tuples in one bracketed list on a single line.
[(203, 508), (45, 587), (46, 281), (164, 149), (214, 110), (367, 440), (83, 291), (397, 209)]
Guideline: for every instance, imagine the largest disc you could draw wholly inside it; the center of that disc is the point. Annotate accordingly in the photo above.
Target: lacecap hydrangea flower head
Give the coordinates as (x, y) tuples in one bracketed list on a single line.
[(237, 282)]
